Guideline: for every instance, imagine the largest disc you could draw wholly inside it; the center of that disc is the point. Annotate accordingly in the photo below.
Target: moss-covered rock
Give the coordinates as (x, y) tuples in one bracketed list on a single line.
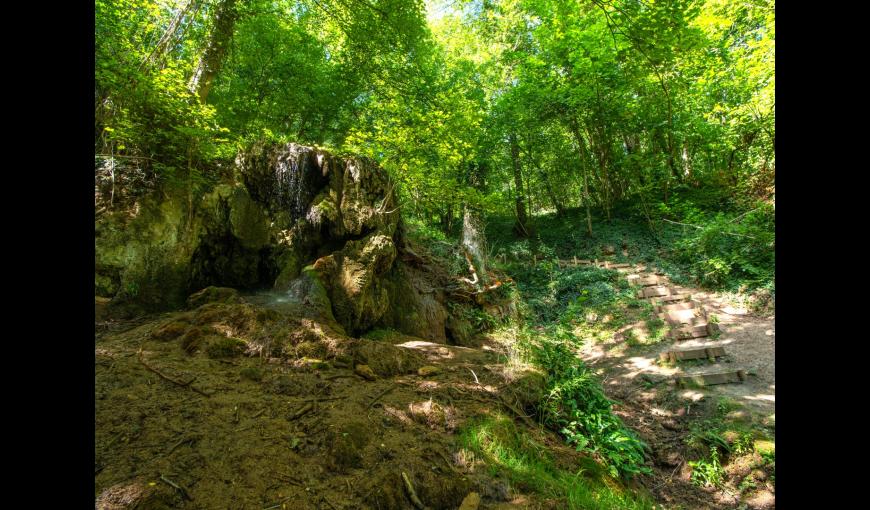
[(322, 227), (213, 295), (386, 360), (248, 220), (169, 331)]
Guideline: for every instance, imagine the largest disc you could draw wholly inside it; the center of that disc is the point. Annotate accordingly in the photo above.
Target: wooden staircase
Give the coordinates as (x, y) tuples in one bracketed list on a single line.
[(687, 319)]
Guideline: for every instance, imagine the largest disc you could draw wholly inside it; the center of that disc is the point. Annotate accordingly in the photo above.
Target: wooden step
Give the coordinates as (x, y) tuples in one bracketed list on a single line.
[(649, 292), (733, 376), (686, 305), (694, 331), (702, 352), (658, 301), (574, 262), (682, 317), (647, 281)]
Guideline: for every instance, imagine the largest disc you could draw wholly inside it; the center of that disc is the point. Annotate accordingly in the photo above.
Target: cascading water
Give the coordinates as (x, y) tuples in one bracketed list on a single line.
[(298, 179)]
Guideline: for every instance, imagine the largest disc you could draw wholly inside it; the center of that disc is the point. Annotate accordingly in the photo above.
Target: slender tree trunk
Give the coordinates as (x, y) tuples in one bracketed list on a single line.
[(212, 59), (670, 131), (519, 199), (581, 144), (165, 43), (548, 185), (603, 177), (472, 240)]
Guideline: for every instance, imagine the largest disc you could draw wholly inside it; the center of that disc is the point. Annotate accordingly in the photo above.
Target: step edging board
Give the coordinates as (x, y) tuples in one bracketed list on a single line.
[(710, 353), (711, 378)]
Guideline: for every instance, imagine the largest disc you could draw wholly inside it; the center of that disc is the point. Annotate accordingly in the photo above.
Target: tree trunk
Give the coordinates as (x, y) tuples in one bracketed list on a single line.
[(472, 240), (212, 59), (583, 162), (548, 185), (603, 177), (165, 43), (519, 199)]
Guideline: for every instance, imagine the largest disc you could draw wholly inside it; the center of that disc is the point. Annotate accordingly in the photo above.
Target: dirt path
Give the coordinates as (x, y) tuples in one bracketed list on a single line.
[(641, 378)]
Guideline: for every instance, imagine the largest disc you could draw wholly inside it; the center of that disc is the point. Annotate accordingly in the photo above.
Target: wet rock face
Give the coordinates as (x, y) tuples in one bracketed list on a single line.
[(294, 218), (337, 213), (285, 178)]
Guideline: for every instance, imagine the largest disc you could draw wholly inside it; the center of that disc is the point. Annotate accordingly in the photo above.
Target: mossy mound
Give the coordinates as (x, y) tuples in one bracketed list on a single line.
[(213, 295)]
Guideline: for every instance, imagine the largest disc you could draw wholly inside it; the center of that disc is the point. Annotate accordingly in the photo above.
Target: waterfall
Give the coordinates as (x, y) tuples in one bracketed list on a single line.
[(293, 192)]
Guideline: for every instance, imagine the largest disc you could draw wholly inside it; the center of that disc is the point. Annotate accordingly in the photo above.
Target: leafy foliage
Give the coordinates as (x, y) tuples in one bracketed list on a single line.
[(527, 464), (708, 473), (578, 408)]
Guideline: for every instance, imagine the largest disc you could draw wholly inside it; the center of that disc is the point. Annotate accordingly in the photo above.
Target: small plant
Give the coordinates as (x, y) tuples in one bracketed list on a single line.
[(656, 328), (724, 406), (747, 484), (744, 444), (132, 289), (713, 318), (708, 473)]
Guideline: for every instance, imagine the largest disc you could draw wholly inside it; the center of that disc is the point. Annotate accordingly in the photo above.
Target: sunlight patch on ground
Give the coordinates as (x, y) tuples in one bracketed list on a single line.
[(692, 395), (769, 398)]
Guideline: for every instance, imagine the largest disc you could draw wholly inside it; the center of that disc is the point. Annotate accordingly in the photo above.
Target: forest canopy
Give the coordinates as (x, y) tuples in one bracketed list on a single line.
[(515, 107)]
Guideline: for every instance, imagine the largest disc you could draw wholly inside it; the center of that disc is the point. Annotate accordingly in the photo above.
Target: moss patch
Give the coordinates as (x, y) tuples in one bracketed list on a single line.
[(222, 347)]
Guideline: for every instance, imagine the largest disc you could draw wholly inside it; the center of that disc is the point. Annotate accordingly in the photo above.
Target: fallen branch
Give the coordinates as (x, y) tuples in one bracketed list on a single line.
[(298, 414), (411, 493), (177, 487), (744, 214), (167, 378), (517, 412), (379, 395), (181, 442), (475, 376), (702, 228)]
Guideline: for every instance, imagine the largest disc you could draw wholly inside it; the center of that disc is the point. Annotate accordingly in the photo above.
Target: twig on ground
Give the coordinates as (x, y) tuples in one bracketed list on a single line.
[(475, 376), (412, 494), (339, 376), (379, 395), (167, 378), (668, 480), (278, 504), (304, 410), (328, 502), (177, 487), (179, 443)]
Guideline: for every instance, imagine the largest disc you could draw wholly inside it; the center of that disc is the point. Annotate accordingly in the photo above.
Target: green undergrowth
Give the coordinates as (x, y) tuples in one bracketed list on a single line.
[(697, 239), (512, 453), (727, 434), (561, 308)]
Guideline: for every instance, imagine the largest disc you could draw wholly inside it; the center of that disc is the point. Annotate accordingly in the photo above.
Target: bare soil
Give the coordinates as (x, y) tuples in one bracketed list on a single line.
[(176, 427)]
